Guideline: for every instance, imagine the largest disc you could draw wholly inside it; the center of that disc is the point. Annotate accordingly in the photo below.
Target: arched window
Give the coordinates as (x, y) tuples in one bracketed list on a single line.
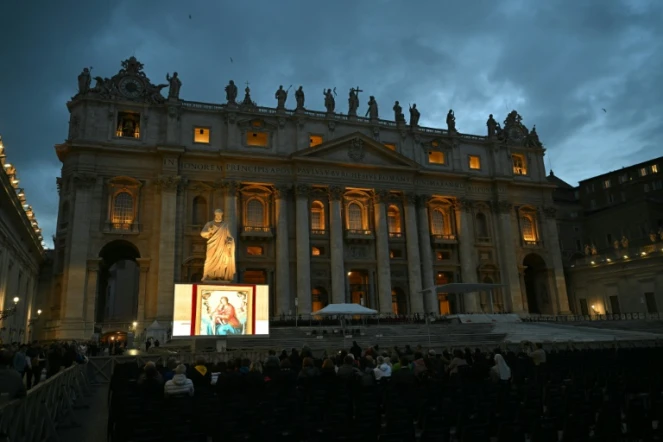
[(394, 220), (482, 225), (317, 216), (255, 213), (199, 212), (355, 216), (123, 210), (528, 227), (438, 222)]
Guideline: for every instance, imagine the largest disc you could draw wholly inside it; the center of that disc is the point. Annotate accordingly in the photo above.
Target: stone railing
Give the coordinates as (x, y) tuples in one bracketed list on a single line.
[(620, 255), (263, 110), (604, 317), (47, 406)]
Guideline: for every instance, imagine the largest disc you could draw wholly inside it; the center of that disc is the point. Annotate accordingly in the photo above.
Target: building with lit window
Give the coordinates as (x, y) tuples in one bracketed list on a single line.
[(21, 255), (325, 207), (611, 236)]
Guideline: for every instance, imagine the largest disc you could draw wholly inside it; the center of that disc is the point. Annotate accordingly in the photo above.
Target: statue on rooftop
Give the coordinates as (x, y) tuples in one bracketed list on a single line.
[(231, 92), (533, 138), (330, 101), (492, 126), (399, 117), (175, 84), (372, 111), (414, 115), (353, 101), (299, 96), (248, 102), (281, 96), (84, 81), (451, 121)]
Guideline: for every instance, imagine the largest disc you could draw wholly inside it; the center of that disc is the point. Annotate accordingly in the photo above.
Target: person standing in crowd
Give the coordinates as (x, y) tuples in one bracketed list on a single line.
[(179, 385), (11, 382)]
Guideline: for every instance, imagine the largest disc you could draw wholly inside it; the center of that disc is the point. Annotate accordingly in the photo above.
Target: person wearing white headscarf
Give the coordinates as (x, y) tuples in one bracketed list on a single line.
[(500, 371)]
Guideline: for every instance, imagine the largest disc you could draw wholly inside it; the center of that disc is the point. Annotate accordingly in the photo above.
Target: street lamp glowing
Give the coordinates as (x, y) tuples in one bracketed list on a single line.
[(16, 300), (135, 324), (39, 312)]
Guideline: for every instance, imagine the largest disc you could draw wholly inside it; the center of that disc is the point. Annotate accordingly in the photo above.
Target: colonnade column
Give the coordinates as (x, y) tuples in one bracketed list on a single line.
[(144, 268), (557, 270), (382, 251), (91, 289), (283, 295), (426, 253), (413, 258), (168, 186), (510, 275), (302, 192), (468, 266), (75, 282), (338, 276)]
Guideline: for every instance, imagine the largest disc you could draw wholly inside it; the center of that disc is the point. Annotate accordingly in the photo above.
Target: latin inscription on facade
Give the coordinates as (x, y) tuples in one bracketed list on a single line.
[(351, 175), (266, 170)]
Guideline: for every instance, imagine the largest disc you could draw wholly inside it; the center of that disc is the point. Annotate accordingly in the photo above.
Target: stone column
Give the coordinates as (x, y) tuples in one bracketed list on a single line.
[(144, 267), (468, 265), (338, 275), (557, 267), (512, 293), (167, 186), (231, 215), (426, 252), (283, 295), (382, 251), (91, 290), (413, 257), (303, 248), (76, 267)]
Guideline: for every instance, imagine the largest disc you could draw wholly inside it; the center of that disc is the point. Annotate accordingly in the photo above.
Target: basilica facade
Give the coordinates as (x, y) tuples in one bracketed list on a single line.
[(325, 207)]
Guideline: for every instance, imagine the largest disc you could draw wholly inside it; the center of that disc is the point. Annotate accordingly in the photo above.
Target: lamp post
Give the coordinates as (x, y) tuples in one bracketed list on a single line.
[(32, 323), (16, 299)]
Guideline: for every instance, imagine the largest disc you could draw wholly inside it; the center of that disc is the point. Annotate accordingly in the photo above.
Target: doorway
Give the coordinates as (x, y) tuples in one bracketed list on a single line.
[(447, 304), (614, 305), (358, 282), (319, 299), (398, 301), (584, 308), (117, 289), (536, 284)]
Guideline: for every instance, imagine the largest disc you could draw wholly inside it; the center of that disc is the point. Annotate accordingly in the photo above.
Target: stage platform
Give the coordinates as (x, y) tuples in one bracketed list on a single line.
[(438, 336)]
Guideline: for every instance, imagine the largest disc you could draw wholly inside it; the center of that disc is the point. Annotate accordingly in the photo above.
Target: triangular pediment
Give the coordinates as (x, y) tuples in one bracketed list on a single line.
[(355, 148)]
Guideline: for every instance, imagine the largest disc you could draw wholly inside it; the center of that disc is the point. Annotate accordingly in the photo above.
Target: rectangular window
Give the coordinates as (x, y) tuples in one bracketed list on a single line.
[(314, 140), (657, 185), (317, 251), (436, 157), (201, 135), (606, 184), (643, 171), (255, 251), (519, 164), (443, 255), (654, 168), (592, 204), (576, 194), (611, 198), (257, 139), (646, 187), (395, 254), (623, 179), (128, 125), (390, 146), (474, 162)]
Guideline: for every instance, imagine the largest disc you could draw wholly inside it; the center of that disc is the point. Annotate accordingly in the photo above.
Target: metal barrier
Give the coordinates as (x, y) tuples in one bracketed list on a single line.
[(47, 406)]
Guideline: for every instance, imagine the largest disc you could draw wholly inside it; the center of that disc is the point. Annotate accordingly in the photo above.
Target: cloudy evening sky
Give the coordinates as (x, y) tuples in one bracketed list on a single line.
[(558, 62)]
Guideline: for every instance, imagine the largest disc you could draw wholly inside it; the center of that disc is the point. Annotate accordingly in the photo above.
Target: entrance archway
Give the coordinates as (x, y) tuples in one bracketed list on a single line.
[(117, 290), (398, 301), (358, 282), (447, 302), (536, 284), (319, 299)]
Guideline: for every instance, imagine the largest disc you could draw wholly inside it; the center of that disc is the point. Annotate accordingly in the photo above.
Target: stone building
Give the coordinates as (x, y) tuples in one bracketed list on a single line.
[(21, 255), (325, 206), (611, 236)]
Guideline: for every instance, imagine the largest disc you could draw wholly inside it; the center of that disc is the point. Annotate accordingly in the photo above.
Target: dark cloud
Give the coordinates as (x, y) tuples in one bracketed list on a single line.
[(559, 63)]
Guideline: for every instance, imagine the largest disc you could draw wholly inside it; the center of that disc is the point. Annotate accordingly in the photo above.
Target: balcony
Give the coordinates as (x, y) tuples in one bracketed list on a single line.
[(256, 232), (620, 256), (122, 228), (444, 239), (396, 236), (363, 235), (318, 232), (532, 244)]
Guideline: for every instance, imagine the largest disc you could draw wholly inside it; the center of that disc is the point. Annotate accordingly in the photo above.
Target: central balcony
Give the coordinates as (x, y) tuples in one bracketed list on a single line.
[(444, 239), (356, 235), (257, 232)]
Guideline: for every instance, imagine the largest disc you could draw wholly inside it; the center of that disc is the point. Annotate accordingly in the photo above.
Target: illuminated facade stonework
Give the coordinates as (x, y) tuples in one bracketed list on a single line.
[(21, 255), (326, 207)]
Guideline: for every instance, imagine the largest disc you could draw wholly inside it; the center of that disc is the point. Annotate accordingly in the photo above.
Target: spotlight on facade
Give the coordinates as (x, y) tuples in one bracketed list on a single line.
[(593, 263), (16, 299), (625, 256), (134, 324), (643, 254), (609, 260), (38, 312)]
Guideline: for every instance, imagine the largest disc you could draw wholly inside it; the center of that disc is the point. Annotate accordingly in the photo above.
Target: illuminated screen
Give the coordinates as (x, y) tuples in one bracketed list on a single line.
[(221, 310)]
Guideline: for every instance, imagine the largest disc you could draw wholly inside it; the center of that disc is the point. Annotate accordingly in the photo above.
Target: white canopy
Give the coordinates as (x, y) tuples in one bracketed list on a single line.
[(462, 287), (345, 309)]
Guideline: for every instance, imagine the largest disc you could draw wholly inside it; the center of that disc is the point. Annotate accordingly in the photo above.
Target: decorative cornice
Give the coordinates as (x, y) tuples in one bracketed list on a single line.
[(282, 191), (84, 181), (464, 204), (410, 198), (336, 193), (380, 196), (168, 182)]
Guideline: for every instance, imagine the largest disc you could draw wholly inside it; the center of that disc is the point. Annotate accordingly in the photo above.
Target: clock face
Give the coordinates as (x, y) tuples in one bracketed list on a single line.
[(131, 87)]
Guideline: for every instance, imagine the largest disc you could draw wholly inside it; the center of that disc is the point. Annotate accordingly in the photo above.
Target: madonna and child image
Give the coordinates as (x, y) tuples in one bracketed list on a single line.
[(224, 312)]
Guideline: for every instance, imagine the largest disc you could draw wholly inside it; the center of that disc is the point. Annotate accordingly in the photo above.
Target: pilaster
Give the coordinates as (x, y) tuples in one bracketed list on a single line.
[(468, 267), (426, 253), (382, 251), (91, 290), (557, 270), (413, 256), (144, 267), (283, 295), (303, 245), (512, 292), (230, 209), (338, 276), (167, 186)]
